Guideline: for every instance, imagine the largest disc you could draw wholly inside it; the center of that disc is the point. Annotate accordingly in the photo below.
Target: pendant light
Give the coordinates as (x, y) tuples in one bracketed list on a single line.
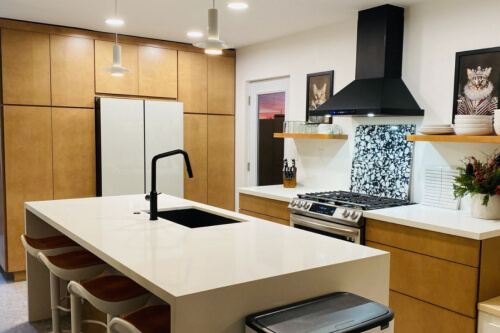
[(117, 69), (213, 45)]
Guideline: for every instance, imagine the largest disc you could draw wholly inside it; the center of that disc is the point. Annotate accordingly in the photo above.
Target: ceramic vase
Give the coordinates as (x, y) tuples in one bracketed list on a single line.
[(490, 212)]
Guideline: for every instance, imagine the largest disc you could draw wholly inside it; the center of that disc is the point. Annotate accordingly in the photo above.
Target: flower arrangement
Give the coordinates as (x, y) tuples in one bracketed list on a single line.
[(479, 177)]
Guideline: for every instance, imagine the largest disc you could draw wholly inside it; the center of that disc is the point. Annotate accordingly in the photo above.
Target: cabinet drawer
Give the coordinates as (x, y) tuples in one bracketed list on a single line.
[(414, 316), (457, 249), (440, 282), (265, 217), (264, 206)]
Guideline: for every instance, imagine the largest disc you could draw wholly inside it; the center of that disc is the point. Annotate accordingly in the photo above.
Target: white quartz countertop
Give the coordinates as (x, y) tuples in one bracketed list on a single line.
[(278, 192), (179, 261), (452, 222)]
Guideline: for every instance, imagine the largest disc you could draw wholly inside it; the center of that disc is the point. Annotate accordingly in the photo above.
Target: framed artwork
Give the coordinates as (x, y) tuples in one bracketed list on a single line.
[(319, 90), (477, 82)]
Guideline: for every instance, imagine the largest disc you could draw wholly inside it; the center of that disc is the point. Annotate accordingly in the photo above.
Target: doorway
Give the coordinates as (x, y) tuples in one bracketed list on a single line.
[(268, 105)]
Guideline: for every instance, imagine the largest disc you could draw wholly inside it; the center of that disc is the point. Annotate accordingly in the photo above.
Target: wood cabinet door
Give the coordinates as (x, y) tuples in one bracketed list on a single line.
[(193, 81), (157, 72), (221, 85), (73, 139), (28, 171), (72, 71), (195, 144), (128, 84), (414, 316), (221, 161), (25, 67)]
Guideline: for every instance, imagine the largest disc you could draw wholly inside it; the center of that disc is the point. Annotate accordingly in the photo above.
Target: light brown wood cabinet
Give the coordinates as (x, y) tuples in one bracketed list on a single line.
[(73, 140), (221, 71), (25, 67), (28, 171), (128, 84), (157, 72), (221, 161), (72, 71), (49, 78), (193, 81), (196, 145), (266, 209), (436, 279)]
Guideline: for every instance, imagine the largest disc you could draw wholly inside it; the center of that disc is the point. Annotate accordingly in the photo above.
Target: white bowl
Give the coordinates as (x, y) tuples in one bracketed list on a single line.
[(473, 131), (473, 125), (473, 121), (497, 128), (472, 117)]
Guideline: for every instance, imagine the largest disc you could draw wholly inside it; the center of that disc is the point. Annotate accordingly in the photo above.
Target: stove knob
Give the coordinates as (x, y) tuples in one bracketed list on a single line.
[(346, 213), (293, 203), (307, 205), (354, 215), (299, 205)]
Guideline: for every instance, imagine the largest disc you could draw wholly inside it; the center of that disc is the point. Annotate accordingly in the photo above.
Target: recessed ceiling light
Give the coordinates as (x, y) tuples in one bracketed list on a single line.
[(195, 34), (115, 22), (237, 5)]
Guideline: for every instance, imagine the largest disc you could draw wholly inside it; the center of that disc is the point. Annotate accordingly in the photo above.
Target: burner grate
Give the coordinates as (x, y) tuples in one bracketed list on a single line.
[(354, 200)]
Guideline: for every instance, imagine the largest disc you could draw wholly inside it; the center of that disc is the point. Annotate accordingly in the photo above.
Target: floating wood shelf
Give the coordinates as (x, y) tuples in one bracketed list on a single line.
[(455, 138), (311, 136)]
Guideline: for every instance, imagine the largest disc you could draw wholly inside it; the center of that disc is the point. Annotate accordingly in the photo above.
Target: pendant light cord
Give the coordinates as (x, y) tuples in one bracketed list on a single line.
[(116, 32), (213, 4)]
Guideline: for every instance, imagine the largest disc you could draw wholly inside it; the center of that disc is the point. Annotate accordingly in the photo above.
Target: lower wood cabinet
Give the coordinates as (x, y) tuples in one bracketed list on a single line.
[(73, 139), (28, 172), (195, 144), (415, 316), (436, 280), (220, 164), (48, 153), (209, 141), (266, 209)]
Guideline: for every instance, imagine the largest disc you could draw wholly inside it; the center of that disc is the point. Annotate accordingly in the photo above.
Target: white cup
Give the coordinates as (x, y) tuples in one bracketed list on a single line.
[(325, 129)]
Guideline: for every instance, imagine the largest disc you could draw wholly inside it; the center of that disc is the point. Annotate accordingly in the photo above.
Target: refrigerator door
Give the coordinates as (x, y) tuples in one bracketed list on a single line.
[(121, 136), (164, 128)]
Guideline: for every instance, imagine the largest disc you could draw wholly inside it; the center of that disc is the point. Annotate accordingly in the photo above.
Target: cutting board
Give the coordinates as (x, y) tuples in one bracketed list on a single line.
[(382, 160)]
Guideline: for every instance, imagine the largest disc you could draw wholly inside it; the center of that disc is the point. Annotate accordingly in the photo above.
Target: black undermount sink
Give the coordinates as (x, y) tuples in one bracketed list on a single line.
[(194, 218)]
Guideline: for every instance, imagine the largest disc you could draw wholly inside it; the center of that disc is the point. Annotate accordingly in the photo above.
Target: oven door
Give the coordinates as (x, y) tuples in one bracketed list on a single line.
[(330, 229)]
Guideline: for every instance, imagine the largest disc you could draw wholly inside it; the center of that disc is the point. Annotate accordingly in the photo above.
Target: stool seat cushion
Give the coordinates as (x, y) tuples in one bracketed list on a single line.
[(49, 243), (114, 288), (152, 319), (75, 260)]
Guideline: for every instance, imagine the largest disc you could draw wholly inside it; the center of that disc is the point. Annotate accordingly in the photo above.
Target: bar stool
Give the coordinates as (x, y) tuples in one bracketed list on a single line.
[(113, 294), (152, 319), (76, 265), (49, 245)]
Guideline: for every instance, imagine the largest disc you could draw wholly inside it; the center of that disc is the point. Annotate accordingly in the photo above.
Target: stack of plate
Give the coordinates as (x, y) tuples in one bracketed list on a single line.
[(473, 125), (496, 123), (436, 129)]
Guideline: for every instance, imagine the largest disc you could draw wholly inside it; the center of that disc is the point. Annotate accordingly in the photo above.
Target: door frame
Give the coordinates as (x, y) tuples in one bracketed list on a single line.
[(254, 89)]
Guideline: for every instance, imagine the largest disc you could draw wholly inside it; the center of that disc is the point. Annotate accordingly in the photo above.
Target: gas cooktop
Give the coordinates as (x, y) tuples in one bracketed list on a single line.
[(353, 200)]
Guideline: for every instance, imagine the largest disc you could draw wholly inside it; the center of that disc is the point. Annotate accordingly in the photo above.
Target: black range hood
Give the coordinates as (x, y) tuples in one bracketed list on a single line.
[(378, 89)]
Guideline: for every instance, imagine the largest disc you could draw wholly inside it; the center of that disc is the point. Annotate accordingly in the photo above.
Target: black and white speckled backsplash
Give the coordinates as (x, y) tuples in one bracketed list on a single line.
[(382, 160)]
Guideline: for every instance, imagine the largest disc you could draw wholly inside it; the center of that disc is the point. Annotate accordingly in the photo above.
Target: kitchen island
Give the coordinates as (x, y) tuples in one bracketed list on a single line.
[(213, 277)]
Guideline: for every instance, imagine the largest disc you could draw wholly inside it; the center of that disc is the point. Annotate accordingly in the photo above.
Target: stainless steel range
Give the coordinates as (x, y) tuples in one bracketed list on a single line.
[(337, 214)]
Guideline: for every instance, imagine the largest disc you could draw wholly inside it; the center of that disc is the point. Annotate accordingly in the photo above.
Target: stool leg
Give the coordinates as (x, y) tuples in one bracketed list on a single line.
[(54, 302), (110, 317), (76, 314)]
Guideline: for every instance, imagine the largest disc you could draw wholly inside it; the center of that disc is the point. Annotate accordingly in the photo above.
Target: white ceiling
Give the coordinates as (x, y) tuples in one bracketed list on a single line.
[(171, 19)]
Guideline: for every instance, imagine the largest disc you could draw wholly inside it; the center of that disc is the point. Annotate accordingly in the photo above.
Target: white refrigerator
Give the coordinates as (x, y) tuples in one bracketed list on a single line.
[(129, 132)]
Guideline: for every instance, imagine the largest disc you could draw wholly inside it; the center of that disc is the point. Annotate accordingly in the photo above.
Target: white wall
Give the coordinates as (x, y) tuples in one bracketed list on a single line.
[(434, 32)]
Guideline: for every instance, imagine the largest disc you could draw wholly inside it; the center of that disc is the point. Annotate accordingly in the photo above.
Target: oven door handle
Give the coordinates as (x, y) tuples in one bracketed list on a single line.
[(341, 231)]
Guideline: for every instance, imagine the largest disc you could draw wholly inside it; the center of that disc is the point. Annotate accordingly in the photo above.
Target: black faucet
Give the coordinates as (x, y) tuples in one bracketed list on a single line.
[(153, 196)]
